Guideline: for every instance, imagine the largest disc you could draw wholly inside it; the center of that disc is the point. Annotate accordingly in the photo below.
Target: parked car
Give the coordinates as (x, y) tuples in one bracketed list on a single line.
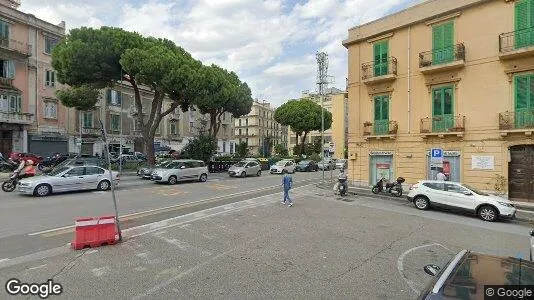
[(459, 280), (326, 164), (146, 171), (284, 166), (245, 168), (17, 156), (181, 170), (83, 161), (341, 164), (306, 166), (457, 196), (68, 178)]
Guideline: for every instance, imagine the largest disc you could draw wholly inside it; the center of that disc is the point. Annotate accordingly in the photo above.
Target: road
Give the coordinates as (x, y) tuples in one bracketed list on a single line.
[(323, 247), (29, 224)]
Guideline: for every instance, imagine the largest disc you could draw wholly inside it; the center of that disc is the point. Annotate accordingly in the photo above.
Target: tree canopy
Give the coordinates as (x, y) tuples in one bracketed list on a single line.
[(302, 116), (89, 59)]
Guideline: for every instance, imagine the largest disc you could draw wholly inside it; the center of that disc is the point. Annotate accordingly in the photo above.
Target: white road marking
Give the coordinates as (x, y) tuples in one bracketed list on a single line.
[(91, 251), (400, 266), (37, 267), (4, 259), (98, 272)]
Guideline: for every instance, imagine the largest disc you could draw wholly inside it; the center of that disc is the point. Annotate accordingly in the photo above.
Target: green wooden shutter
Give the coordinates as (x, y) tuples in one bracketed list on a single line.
[(381, 122), (521, 92), (19, 103), (381, 52), (377, 56), (378, 100), (523, 21), (443, 43), (10, 69), (385, 52), (448, 42), (108, 96)]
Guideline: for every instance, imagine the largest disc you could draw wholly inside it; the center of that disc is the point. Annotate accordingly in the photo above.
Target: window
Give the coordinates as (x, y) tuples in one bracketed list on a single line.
[(189, 164), (93, 171), (78, 171), (50, 43), (114, 97), (454, 188), (4, 33), (524, 21), (524, 100), (115, 122), (435, 186), (158, 129), (246, 122), (14, 103), (224, 146), (239, 122), (442, 109), (50, 78), (87, 119), (50, 110), (231, 147), (443, 43), (8, 69), (246, 131), (240, 132), (381, 58), (381, 120), (173, 128), (191, 125)]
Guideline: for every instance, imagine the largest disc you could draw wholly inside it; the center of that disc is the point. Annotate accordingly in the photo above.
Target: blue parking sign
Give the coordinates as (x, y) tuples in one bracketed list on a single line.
[(437, 153)]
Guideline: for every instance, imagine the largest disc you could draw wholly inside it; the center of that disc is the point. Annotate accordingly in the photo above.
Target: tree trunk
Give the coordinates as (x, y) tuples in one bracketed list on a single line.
[(148, 140), (303, 144)]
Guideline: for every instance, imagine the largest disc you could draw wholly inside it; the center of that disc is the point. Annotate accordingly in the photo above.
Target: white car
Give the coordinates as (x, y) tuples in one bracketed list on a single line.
[(68, 178), (181, 170), (457, 196), (284, 166)]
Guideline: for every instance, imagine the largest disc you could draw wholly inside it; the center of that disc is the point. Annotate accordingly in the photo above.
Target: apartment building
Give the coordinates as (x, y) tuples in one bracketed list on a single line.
[(259, 129), (455, 75), (31, 118), (116, 109), (335, 138)]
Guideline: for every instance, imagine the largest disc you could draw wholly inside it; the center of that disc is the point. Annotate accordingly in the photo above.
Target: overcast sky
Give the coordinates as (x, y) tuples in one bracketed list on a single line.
[(270, 44)]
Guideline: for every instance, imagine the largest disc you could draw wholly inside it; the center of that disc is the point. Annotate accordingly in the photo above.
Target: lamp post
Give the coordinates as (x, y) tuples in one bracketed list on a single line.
[(121, 137)]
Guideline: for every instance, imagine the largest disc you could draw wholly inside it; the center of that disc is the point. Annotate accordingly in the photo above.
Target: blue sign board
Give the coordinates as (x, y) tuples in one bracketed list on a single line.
[(436, 155)]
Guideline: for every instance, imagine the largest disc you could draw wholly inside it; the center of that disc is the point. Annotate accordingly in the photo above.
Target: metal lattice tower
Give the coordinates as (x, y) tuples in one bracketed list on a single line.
[(322, 82)]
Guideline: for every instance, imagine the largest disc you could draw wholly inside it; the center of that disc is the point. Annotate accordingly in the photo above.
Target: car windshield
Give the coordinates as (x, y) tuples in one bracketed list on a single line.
[(240, 164), (476, 191), (304, 162), (162, 164), (58, 171), (282, 163)]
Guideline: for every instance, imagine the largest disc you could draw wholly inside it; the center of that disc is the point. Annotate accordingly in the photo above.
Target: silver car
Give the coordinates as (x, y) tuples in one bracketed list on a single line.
[(245, 168), (146, 172), (181, 170), (68, 178)]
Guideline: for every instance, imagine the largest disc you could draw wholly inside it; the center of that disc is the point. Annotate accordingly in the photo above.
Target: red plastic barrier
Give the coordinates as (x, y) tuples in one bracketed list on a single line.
[(95, 232)]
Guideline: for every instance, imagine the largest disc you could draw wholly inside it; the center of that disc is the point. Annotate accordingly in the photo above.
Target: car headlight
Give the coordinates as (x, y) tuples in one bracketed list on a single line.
[(505, 204)]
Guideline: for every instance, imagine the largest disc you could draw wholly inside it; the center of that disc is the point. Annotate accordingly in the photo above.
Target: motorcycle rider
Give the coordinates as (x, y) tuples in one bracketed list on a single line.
[(27, 167)]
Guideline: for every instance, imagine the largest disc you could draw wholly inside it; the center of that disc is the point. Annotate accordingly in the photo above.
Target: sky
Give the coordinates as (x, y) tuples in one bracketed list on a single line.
[(270, 44)]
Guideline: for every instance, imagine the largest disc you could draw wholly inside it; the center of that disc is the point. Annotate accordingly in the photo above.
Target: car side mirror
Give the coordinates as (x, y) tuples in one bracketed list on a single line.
[(467, 193), (532, 232), (431, 270)]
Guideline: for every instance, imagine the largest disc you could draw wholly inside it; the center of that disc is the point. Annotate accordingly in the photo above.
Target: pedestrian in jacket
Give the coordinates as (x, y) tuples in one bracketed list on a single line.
[(287, 183)]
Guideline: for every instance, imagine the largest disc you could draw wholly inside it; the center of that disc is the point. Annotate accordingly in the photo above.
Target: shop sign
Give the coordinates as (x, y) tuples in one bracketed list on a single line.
[(380, 153), (447, 153)]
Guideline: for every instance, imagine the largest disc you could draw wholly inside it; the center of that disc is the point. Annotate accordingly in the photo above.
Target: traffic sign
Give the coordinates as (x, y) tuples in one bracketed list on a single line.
[(436, 155)]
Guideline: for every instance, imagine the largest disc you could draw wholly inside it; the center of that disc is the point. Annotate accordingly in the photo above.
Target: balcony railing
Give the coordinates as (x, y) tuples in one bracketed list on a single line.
[(522, 119), (442, 56), (6, 81), (16, 118), (442, 124), (90, 131), (15, 46), (376, 69), (378, 128), (514, 40)]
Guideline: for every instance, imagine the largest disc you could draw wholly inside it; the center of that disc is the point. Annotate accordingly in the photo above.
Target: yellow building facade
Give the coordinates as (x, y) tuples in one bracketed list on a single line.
[(455, 75)]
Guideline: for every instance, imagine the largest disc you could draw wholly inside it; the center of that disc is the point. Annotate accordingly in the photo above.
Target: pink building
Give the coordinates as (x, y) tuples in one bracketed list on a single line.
[(31, 118)]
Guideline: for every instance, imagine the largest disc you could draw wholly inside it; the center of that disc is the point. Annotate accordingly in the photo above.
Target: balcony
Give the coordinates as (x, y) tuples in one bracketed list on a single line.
[(89, 131), (380, 129), (373, 72), (516, 44), (517, 122), (15, 47), (441, 60), (443, 125), (6, 81), (16, 118)]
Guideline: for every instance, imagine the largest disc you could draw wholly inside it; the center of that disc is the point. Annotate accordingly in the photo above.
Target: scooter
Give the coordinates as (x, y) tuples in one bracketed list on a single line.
[(7, 165), (394, 188), (11, 184), (342, 185)]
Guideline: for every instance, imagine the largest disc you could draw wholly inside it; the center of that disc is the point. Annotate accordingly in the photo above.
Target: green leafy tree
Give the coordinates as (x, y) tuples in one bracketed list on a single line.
[(83, 97), (302, 116), (280, 150), (223, 92), (241, 149), (98, 58), (202, 148)]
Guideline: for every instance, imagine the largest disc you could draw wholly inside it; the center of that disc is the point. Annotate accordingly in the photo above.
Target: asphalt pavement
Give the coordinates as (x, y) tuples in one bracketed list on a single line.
[(324, 247)]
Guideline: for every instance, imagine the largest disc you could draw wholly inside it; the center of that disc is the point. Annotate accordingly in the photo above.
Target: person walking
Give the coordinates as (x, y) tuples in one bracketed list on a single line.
[(441, 177), (287, 183)]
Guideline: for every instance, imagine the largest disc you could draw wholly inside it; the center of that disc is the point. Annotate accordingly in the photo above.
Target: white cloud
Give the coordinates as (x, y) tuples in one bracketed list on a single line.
[(271, 44)]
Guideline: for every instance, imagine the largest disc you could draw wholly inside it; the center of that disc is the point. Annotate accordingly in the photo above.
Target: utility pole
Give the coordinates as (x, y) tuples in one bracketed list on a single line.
[(322, 81), (121, 137)]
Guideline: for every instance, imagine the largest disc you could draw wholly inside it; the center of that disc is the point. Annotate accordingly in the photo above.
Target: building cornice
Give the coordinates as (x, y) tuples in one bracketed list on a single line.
[(443, 19), (382, 37), (30, 20)]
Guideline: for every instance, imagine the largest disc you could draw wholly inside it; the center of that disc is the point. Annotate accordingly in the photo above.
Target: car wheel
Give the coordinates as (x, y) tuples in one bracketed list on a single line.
[(203, 177), (487, 213), (284, 171), (42, 190), (421, 203), (243, 174), (259, 173), (375, 190), (173, 180), (104, 185)]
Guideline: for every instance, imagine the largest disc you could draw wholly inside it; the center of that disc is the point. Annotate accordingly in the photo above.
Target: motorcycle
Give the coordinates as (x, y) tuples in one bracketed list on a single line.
[(50, 162), (11, 184), (342, 185), (7, 165), (394, 188)]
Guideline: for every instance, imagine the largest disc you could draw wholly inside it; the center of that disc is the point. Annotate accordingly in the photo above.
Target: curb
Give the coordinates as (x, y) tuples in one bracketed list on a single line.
[(367, 193)]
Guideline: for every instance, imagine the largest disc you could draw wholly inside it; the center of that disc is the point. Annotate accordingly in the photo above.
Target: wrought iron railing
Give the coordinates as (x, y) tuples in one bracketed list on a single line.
[(379, 68), (15, 45), (514, 40), (445, 123), (521, 119), (382, 127), (6, 81), (16, 117), (442, 56)]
